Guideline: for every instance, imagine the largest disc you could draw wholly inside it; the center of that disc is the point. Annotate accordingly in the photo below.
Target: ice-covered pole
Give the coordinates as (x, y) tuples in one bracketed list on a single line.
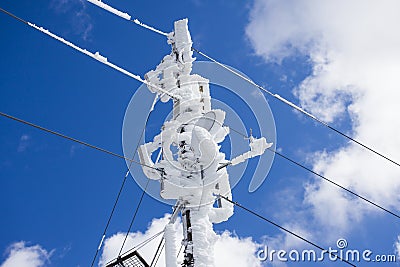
[(192, 174)]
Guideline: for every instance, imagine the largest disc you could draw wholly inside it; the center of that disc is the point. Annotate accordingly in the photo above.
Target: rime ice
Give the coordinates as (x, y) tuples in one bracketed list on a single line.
[(110, 9), (194, 176)]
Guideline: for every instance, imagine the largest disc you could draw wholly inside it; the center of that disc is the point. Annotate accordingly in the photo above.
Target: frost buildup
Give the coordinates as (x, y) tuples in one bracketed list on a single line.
[(191, 175), (110, 9)]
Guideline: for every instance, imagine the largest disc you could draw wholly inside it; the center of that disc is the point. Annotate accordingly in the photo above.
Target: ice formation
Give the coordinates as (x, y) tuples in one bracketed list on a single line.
[(193, 176), (110, 9), (125, 16), (196, 176)]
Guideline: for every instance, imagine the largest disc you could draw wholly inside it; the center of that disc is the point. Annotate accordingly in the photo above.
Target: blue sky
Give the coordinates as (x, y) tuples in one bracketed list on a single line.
[(58, 194)]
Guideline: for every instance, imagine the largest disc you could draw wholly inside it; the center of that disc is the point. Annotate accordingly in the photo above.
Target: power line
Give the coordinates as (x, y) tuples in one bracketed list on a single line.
[(286, 230), (120, 190), (99, 149), (102, 150), (148, 240), (103, 60), (276, 96), (251, 82), (161, 244), (109, 219), (323, 177), (179, 252), (126, 16), (13, 16), (158, 252), (140, 245), (138, 22), (287, 102), (134, 217), (241, 76), (97, 56), (132, 160), (158, 257), (147, 183), (334, 183), (73, 139), (114, 154)]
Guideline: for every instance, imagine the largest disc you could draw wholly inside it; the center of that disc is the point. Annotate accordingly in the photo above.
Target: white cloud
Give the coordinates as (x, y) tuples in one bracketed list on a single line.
[(397, 247), (21, 255), (354, 48), (113, 244), (230, 250)]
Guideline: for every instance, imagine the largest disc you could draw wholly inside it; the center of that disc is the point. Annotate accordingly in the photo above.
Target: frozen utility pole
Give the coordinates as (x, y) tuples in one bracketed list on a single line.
[(191, 167)]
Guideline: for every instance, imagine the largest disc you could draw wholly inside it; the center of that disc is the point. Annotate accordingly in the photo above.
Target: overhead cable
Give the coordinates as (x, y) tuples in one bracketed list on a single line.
[(335, 255), (120, 190), (73, 139), (321, 176), (276, 96), (97, 56)]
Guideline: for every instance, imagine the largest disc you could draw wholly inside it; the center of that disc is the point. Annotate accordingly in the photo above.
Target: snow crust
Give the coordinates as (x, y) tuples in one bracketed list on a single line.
[(138, 22), (124, 15), (257, 148), (170, 247), (110, 9), (204, 238)]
